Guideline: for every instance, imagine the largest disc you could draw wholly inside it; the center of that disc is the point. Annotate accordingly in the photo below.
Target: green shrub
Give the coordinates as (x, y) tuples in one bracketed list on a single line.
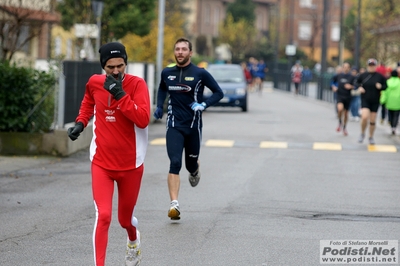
[(26, 99)]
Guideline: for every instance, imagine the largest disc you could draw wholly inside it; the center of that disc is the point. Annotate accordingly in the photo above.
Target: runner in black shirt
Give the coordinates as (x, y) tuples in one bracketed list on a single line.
[(184, 83), (345, 83), (371, 83)]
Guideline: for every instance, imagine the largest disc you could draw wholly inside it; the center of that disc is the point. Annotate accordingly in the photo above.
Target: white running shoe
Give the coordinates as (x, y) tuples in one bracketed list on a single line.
[(133, 254), (371, 141), (361, 138), (174, 210)]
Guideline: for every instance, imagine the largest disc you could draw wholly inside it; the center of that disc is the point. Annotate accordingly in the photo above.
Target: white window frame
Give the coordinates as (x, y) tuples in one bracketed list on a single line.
[(216, 15), (217, 18), (207, 14), (335, 32), (69, 49), (305, 30), (305, 3), (260, 21), (57, 46)]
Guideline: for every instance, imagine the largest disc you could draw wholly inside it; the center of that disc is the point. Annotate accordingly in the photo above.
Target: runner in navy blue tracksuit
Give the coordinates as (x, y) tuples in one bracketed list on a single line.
[(185, 85)]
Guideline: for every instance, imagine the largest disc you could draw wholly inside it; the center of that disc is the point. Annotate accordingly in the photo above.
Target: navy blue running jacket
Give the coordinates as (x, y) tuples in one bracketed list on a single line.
[(185, 85)]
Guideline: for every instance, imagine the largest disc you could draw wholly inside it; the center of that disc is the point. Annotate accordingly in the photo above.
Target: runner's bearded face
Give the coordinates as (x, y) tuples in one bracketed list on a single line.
[(115, 66), (371, 68), (346, 68), (182, 54)]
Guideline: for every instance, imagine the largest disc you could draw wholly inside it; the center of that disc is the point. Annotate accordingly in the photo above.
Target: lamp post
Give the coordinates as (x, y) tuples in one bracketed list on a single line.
[(160, 40), (324, 42), (290, 48), (97, 6), (277, 33), (324, 47), (341, 39), (358, 37)]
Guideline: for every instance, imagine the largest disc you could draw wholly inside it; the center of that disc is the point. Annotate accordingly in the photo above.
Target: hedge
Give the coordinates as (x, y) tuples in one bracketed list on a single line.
[(26, 99)]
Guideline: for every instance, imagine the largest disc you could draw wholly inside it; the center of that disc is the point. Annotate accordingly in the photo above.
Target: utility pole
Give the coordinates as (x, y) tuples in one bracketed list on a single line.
[(160, 40), (325, 21), (277, 34), (341, 39), (291, 18), (291, 25), (98, 11), (358, 37), (324, 43)]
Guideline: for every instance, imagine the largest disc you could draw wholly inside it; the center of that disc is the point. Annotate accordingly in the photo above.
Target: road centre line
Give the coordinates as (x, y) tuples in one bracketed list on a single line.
[(158, 141), (219, 143), (273, 144), (321, 146), (382, 148), (327, 146)]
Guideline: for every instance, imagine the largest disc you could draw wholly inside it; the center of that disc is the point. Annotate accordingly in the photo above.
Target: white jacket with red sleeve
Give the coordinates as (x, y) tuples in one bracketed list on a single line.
[(120, 128)]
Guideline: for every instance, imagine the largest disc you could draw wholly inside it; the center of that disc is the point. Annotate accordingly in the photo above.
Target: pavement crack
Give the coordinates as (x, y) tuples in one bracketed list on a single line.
[(351, 217)]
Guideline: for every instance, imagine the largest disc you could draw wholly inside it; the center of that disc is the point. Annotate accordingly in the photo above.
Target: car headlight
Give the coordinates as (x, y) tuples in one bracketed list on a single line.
[(240, 91)]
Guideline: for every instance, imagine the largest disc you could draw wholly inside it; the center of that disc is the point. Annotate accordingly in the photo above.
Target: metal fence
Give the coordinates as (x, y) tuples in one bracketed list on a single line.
[(318, 88), (57, 99), (72, 88), (61, 103), (72, 85), (41, 117)]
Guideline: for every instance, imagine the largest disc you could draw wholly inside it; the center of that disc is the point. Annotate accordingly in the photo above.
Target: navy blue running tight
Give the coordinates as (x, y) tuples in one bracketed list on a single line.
[(179, 139)]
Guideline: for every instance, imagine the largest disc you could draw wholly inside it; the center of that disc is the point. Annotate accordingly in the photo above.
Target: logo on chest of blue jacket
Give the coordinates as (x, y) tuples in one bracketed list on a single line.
[(171, 77), (180, 88), (189, 78)]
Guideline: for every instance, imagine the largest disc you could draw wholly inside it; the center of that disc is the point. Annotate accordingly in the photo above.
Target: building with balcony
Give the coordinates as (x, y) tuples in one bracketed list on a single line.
[(205, 17), (388, 43), (25, 29), (300, 24)]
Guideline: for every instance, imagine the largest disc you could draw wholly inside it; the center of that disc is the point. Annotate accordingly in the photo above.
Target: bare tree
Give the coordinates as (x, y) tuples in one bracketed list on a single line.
[(380, 31), (316, 26), (20, 22)]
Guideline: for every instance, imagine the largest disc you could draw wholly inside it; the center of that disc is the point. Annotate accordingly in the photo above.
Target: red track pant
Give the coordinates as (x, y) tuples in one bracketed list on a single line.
[(128, 183)]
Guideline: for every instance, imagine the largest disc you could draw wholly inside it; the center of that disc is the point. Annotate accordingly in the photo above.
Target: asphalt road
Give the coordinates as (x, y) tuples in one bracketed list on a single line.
[(275, 181)]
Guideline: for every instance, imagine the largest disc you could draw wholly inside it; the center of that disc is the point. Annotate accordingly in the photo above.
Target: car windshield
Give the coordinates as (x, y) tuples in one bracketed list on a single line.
[(233, 75)]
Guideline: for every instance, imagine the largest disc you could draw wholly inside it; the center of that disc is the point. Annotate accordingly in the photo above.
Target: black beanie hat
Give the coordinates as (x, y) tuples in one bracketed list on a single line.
[(112, 50)]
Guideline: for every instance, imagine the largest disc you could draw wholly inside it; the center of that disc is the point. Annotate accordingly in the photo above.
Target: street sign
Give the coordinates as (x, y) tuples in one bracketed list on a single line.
[(290, 50)]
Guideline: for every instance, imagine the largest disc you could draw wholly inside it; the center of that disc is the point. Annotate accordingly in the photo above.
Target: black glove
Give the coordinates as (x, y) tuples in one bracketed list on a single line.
[(75, 131), (114, 86)]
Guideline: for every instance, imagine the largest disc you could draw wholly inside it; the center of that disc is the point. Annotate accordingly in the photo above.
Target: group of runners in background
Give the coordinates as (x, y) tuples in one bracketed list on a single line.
[(360, 92), (255, 71), (376, 86)]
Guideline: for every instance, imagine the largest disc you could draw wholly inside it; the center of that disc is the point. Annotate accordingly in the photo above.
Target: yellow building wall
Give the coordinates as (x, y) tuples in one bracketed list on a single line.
[(61, 37), (331, 52)]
